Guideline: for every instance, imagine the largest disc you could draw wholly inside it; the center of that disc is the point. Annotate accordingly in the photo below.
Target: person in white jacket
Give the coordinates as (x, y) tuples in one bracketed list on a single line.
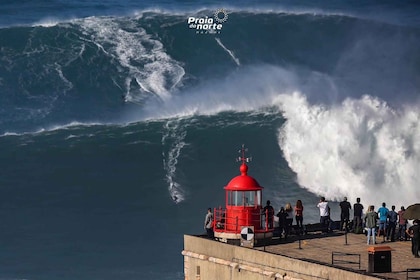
[(324, 213)]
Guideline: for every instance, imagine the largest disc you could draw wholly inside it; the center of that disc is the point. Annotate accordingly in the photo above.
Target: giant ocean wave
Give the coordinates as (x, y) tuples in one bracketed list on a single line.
[(350, 100)]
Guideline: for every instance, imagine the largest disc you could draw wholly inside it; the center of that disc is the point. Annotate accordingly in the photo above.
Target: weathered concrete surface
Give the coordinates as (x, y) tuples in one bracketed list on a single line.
[(319, 247), (207, 259)]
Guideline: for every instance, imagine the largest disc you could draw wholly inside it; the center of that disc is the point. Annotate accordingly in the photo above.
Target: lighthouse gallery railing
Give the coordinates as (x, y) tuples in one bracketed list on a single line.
[(233, 223)]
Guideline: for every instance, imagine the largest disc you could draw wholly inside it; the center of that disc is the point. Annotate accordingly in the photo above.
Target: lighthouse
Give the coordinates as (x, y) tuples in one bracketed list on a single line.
[(242, 221)]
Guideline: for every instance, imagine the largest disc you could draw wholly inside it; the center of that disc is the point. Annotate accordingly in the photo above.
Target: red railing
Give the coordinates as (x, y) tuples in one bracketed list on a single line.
[(232, 221)]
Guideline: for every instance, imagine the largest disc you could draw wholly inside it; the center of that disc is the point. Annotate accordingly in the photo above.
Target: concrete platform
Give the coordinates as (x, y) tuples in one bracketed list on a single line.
[(319, 247)]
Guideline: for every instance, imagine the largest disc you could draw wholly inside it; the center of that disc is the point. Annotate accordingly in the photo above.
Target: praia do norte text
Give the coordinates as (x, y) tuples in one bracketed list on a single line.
[(203, 23)]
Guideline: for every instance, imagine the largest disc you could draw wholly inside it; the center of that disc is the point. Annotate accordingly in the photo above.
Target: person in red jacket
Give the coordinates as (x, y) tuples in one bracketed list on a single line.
[(299, 215)]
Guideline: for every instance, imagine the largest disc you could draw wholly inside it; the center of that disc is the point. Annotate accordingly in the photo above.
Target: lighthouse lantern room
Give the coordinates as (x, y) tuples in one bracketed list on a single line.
[(243, 210)]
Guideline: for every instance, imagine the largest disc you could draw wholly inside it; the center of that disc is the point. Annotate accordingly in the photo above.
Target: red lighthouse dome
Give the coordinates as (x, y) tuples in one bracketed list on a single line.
[(243, 181)]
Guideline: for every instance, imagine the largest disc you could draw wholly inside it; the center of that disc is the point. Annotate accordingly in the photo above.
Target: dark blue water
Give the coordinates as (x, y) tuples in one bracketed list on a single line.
[(120, 124)]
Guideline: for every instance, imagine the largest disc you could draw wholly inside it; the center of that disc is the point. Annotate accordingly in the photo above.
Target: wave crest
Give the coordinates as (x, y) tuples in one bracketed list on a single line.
[(359, 148)]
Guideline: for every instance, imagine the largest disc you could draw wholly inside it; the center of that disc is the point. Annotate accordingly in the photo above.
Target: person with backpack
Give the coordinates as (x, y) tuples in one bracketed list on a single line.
[(282, 215)]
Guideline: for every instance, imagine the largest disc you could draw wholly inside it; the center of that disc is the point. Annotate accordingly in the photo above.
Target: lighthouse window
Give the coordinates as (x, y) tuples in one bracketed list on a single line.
[(235, 198), (244, 198), (257, 197), (249, 198)]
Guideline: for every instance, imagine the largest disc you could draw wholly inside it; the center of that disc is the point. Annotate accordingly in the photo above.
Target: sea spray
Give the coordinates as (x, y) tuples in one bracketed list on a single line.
[(359, 148), (150, 70)]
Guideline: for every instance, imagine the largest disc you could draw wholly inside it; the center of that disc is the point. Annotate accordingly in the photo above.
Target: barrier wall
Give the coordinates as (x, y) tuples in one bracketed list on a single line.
[(206, 259)]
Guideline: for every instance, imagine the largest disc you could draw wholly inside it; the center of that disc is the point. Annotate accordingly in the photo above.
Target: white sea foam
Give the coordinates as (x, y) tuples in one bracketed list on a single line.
[(359, 148), (248, 89), (73, 124), (148, 65), (47, 22), (172, 144), (231, 53)]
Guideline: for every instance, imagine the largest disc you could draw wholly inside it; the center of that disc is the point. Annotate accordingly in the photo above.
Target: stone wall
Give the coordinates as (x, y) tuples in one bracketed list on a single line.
[(206, 259)]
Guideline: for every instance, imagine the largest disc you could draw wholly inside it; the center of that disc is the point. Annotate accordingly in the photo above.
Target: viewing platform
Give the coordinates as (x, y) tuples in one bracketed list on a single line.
[(333, 249), (316, 256)]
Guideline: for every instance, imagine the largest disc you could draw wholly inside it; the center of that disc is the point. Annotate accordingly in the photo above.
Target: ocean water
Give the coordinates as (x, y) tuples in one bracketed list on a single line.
[(120, 122)]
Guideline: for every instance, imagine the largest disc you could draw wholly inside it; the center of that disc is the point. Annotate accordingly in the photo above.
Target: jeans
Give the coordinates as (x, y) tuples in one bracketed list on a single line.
[(344, 222), (391, 231), (288, 228), (415, 246), (357, 222), (371, 232), (401, 232), (210, 233), (299, 222), (324, 221)]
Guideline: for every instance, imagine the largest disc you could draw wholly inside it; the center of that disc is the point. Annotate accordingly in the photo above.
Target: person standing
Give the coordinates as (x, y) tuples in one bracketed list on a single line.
[(324, 213), (383, 216), (357, 218), (392, 224), (345, 214), (268, 211), (299, 215), (370, 220), (289, 219), (414, 233), (402, 225), (282, 215), (208, 223)]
